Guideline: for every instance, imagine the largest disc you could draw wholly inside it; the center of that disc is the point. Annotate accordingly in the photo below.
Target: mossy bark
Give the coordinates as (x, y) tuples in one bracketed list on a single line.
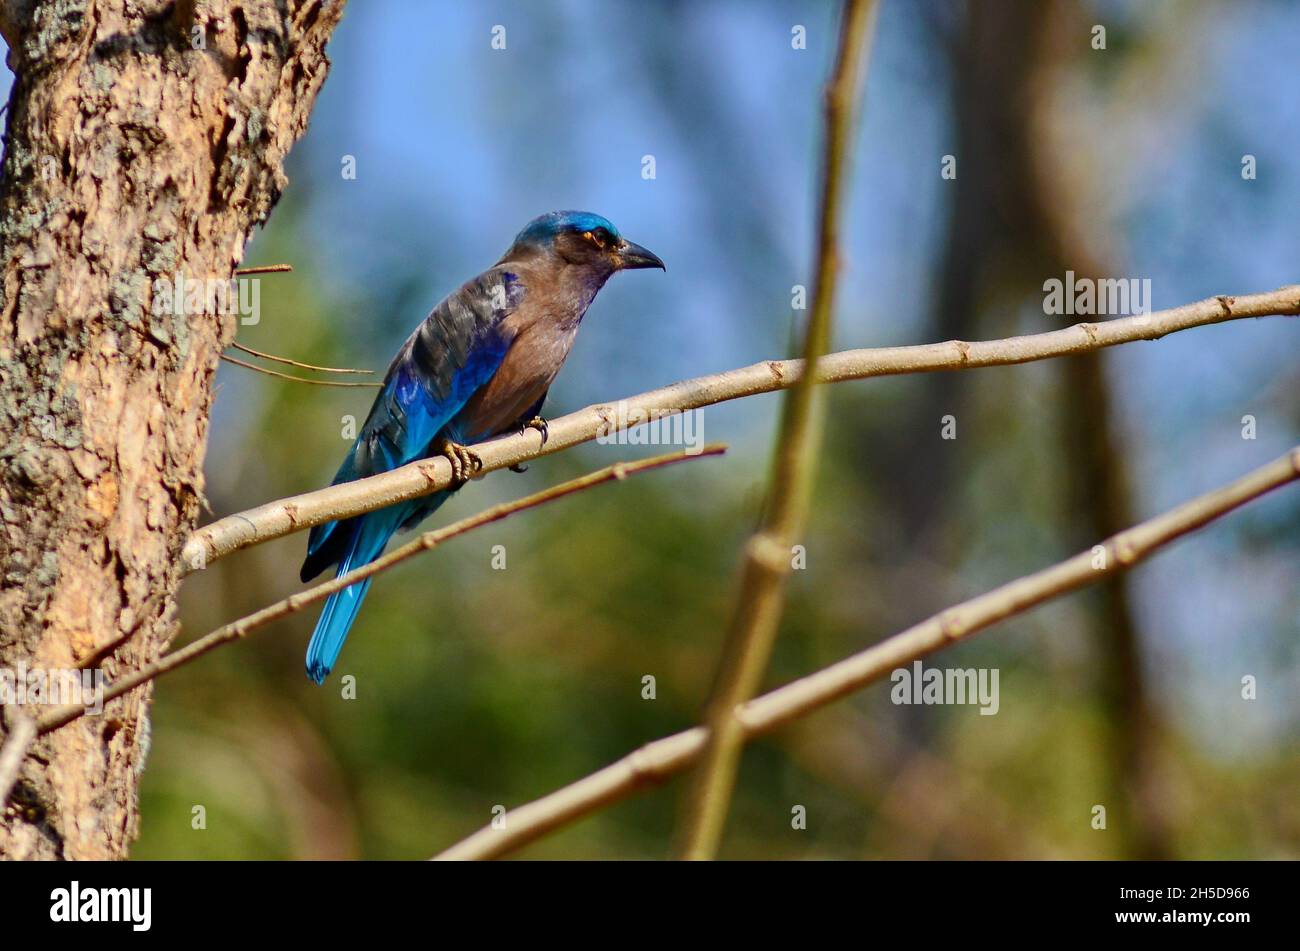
[(144, 141)]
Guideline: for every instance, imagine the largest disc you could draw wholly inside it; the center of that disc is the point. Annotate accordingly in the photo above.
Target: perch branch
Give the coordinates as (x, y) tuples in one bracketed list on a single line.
[(656, 762), (760, 600), (285, 516)]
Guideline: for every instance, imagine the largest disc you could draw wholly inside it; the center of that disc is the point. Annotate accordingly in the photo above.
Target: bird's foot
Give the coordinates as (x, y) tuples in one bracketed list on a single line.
[(464, 462), (539, 424), (543, 427)]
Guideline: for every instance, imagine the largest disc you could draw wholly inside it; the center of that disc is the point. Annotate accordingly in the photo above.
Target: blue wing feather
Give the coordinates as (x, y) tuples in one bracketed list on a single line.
[(456, 350), (448, 357)]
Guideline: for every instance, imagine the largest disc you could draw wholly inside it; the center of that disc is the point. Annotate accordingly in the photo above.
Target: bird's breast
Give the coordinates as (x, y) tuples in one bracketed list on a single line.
[(530, 366)]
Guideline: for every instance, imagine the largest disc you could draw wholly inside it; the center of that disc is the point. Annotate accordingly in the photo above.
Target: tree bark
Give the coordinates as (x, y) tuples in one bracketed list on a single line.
[(145, 139)]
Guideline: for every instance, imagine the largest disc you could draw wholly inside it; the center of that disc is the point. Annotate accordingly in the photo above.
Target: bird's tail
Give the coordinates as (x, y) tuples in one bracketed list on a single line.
[(368, 540)]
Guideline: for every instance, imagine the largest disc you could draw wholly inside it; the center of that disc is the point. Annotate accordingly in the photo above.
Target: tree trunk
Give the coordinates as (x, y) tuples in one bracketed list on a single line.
[(145, 139)]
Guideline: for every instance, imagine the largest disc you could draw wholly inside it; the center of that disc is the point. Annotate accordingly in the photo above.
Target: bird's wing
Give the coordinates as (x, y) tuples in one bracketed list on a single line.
[(450, 355)]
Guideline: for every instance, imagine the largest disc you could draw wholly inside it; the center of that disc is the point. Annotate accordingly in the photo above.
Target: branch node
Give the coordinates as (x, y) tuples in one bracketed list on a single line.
[(769, 553), (641, 764), (952, 625), (429, 469), (1125, 552)]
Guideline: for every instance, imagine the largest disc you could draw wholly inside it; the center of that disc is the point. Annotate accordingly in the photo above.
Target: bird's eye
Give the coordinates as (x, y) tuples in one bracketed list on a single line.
[(599, 237)]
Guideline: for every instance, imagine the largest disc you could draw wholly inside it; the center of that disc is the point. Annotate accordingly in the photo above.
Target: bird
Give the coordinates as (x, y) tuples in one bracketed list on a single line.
[(478, 366)]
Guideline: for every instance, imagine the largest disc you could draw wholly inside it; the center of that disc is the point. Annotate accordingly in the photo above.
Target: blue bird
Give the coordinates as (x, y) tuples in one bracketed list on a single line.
[(478, 366)]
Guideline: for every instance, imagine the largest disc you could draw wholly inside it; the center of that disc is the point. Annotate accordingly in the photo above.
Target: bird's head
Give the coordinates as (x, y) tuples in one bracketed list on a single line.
[(583, 239)]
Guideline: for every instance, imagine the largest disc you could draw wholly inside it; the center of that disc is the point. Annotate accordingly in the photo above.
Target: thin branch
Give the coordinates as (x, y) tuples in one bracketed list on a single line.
[(285, 516), (295, 363), (760, 602), (265, 269), (22, 733), (656, 762), (236, 630), (285, 376)]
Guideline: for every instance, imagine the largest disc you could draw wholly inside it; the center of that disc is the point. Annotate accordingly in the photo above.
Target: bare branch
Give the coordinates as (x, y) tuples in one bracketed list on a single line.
[(236, 630), (22, 732), (658, 761), (295, 363), (760, 601), (264, 269), (294, 379), (285, 516)]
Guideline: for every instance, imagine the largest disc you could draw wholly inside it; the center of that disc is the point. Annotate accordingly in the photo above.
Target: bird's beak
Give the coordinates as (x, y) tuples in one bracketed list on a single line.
[(632, 256)]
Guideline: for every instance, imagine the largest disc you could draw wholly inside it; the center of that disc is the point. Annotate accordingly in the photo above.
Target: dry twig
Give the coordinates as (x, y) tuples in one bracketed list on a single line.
[(760, 601), (294, 363), (293, 379)]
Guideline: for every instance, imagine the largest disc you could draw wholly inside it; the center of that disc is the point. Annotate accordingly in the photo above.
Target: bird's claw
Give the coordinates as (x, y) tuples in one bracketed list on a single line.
[(539, 424), (542, 427), (464, 462)]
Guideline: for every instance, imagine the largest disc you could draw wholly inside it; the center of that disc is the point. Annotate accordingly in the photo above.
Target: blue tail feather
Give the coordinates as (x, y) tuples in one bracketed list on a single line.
[(368, 540), (332, 629), (369, 536)]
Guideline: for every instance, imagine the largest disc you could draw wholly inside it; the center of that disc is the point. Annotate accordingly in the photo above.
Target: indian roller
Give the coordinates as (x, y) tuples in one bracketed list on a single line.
[(478, 366)]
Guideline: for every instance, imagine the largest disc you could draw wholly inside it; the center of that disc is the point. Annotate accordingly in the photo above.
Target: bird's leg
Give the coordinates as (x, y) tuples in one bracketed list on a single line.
[(539, 424), (464, 462)]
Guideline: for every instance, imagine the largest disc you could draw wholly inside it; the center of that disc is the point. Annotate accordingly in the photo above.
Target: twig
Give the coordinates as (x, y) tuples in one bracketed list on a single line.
[(657, 761), (22, 732), (425, 542), (760, 602), (285, 376), (284, 516), (295, 363), (265, 269)]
